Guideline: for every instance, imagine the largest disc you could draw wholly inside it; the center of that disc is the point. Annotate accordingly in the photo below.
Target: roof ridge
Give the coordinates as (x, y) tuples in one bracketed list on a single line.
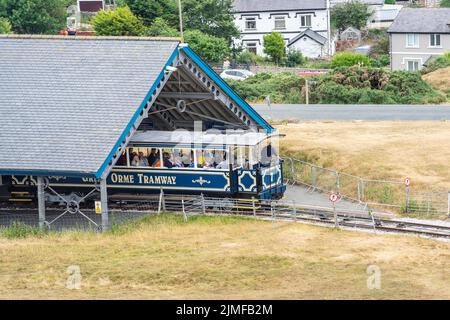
[(61, 37)]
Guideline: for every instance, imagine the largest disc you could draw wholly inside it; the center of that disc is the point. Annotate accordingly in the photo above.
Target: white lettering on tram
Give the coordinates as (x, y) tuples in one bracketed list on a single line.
[(143, 179), (122, 178)]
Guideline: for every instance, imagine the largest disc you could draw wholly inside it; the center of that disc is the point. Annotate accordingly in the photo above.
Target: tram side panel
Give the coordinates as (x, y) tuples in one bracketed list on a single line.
[(263, 183)]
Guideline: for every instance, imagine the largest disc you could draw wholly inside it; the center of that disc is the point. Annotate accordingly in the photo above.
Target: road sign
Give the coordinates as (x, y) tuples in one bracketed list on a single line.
[(98, 207), (334, 197), (407, 182)]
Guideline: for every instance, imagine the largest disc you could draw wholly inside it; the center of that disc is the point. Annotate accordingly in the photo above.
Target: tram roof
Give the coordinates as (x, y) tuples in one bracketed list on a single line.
[(69, 105), (205, 138)]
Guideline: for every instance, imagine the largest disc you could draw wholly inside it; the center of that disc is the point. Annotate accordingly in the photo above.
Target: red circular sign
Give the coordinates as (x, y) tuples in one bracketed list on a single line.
[(334, 197), (407, 182)]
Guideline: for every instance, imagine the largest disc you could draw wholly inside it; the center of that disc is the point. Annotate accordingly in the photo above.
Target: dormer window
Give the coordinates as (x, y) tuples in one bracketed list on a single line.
[(250, 23), (280, 23), (305, 21)]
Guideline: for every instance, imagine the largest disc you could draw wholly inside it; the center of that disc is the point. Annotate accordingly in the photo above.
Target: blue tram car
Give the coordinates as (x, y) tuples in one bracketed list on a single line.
[(229, 165)]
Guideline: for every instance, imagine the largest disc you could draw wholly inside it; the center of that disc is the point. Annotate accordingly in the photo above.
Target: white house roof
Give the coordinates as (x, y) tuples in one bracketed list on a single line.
[(280, 5)]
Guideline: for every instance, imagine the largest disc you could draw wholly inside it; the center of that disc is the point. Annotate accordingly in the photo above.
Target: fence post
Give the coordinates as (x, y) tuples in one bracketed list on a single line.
[(336, 223), (162, 202), (184, 209), (407, 199), (448, 204), (294, 210), (358, 184), (253, 205), (203, 204), (337, 182), (363, 197), (313, 177)]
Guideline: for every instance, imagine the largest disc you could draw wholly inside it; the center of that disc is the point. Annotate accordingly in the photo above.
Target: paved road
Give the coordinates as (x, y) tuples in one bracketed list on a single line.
[(354, 112)]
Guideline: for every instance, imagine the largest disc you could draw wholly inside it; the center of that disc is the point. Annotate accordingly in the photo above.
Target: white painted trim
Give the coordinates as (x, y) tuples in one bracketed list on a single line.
[(422, 53)]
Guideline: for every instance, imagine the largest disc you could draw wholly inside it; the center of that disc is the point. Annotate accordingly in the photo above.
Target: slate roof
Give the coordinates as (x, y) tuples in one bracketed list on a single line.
[(422, 20), (311, 34), (65, 101), (279, 5)]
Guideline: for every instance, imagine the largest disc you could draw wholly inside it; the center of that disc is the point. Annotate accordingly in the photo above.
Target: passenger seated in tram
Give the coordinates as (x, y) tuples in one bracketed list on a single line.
[(166, 161), (223, 164), (153, 156)]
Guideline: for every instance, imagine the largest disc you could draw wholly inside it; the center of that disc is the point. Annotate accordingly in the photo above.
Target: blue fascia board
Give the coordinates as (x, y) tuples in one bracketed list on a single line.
[(136, 115), (228, 90), (46, 173)]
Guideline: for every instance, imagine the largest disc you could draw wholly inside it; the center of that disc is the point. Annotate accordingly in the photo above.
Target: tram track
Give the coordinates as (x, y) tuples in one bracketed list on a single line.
[(275, 211)]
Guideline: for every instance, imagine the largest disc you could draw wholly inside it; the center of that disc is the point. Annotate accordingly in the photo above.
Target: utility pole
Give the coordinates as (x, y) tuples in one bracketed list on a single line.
[(180, 12), (329, 26)]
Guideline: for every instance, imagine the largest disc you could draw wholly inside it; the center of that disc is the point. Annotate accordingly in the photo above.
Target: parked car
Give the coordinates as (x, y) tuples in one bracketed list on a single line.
[(236, 74), (363, 50)]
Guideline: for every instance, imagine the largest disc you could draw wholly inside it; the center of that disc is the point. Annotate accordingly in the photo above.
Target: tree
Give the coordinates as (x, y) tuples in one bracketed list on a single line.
[(350, 14), (35, 16), (149, 10), (445, 3), (210, 48), (214, 17), (119, 22), (160, 27), (274, 46), (5, 26)]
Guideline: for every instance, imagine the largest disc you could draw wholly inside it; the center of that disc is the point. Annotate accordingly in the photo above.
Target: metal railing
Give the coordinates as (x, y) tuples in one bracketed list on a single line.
[(386, 194)]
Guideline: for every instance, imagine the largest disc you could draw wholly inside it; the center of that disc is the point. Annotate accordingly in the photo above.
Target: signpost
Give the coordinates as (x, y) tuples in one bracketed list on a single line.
[(407, 184), (334, 197)]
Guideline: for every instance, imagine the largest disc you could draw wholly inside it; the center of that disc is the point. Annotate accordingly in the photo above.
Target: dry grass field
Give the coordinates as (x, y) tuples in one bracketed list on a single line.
[(223, 258), (377, 150), (440, 80)]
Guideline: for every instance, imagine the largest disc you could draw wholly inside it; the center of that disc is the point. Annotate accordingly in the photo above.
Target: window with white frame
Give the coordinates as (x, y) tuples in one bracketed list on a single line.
[(435, 40), (280, 23), (305, 21), (250, 23), (251, 47), (412, 65), (412, 40)]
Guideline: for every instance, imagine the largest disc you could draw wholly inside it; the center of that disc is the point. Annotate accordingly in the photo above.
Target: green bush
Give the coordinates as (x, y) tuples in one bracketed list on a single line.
[(294, 58), (247, 57), (348, 59), (5, 26), (210, 48), (409, 88), (352, 85), (161, 28), (118, 22), (282, 88), (381, 61)]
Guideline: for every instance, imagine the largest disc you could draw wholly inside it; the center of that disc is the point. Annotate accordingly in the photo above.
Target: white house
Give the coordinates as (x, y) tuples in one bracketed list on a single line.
[(303, 24)]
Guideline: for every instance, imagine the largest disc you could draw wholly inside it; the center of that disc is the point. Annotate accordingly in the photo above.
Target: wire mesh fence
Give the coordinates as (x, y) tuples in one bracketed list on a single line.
[(393, 195)]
